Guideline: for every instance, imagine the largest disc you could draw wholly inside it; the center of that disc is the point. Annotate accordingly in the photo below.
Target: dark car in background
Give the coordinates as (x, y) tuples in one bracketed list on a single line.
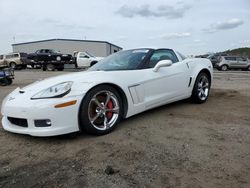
[(49, 55), (49, 59)]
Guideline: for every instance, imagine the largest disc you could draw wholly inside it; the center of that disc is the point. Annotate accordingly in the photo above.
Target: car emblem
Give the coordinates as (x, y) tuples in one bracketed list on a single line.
[(11, 99)]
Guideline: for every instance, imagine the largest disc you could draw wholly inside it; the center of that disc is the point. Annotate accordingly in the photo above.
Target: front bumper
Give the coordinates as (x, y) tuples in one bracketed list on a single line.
[(63, 120)]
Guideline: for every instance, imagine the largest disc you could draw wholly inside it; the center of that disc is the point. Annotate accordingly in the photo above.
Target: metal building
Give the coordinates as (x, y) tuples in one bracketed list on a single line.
[(68, 46)]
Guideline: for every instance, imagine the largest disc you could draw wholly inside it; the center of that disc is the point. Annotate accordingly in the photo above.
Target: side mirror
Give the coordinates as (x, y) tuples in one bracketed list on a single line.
[(162, 63)]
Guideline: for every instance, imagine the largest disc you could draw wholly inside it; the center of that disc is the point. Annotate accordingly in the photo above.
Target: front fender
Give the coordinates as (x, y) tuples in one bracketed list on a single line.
[(196, 66)]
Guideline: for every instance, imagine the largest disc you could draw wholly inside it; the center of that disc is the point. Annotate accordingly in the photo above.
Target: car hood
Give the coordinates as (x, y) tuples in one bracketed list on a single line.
[(76, 78)]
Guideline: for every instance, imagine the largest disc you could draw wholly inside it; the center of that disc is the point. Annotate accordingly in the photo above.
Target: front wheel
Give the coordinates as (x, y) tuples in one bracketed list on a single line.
[(201, 88), (101, 110), (224, 68)]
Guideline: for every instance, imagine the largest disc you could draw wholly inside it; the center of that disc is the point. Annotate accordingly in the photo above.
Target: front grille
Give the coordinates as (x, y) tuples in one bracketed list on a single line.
[(18, 121)]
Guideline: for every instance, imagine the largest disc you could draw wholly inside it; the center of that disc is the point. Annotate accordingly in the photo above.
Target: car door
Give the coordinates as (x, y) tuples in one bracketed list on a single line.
[(83, 60), (41, 55), (242, 63), (168, 83), (232, 61)]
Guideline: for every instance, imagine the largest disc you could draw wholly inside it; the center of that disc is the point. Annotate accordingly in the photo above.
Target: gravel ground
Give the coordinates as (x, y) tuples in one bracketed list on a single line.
[(177, 145)]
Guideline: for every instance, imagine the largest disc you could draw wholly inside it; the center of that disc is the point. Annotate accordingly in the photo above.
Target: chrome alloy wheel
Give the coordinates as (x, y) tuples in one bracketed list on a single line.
[(224, 67), (203, 88), (103, 110)]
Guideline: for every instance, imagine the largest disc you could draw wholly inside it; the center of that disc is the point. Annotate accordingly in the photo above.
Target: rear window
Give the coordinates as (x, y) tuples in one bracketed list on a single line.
[(230, 58), (23, 55), (12, 56)]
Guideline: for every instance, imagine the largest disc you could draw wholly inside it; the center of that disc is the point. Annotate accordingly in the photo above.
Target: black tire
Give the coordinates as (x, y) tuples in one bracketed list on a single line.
[(50, 67), (201, 88), (248, 68), (13, 65), (5, 81), (9, 81), (93, 63), (60, 68), (24, 66), (44, 67), (109, 110), (224, 68)]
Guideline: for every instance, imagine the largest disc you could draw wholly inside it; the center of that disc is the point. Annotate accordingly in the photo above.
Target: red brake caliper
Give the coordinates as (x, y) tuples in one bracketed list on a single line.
[(110, 106)]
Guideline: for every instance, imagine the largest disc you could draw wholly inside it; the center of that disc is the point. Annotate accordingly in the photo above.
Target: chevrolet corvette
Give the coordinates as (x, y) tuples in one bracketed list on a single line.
[(119, 86)]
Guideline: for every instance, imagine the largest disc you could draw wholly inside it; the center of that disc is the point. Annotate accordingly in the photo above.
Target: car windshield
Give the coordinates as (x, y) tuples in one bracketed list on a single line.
[(123, 60), (90, 55)]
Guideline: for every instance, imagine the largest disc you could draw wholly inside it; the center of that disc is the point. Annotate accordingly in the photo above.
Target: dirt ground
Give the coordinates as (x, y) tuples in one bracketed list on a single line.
[(177, 145)]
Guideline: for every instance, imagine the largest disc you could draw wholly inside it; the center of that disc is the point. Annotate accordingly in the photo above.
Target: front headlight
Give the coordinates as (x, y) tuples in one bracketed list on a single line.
[(55, 91)]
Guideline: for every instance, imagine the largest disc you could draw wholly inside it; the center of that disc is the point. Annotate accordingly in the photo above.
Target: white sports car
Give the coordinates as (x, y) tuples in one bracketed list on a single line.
[(119, 86)]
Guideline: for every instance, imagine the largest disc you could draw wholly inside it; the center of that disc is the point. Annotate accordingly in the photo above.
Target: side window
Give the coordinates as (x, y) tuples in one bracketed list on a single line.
[(1, 56), (9, 56), (16, 55), (47, 51), (230, 58), (83, 55), (240, 59), (159, 55)]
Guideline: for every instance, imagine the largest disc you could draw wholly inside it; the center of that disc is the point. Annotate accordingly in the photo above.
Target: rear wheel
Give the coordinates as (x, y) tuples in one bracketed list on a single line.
[(101, 110), (58, 58), (50, 67), (12, 65), (201, 88)]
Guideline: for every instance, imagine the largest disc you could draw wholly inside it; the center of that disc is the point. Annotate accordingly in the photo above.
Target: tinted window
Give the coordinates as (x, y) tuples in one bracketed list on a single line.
[(83, 55), (123, 60), (240, 59), (159, 55), (230, 58), (9, 56), (23, 54), (1, 56)]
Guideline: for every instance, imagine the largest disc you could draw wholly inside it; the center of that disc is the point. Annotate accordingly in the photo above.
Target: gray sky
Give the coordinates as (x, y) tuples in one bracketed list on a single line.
[(191, 26)]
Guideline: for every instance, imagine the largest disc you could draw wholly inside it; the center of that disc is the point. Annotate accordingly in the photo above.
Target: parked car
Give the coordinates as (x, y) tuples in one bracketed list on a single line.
[(49, 55), (49, 59), (119, 86), (215, 58), (232, 62), (85, 59), (16, 60), (2, 61)]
